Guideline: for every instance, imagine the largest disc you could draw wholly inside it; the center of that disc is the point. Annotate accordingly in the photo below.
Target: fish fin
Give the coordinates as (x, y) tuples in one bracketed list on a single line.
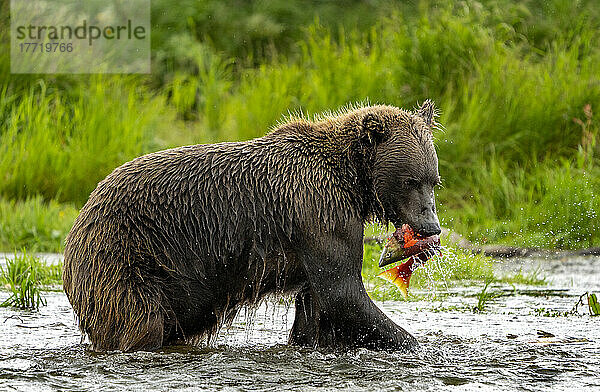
[(399, 276)]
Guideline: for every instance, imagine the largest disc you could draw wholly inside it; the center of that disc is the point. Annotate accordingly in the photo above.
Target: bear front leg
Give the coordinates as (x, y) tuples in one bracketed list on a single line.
[(340, 313)]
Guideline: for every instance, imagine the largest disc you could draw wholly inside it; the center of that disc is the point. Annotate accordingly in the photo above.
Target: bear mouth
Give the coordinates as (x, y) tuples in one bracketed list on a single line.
[(405, 243)]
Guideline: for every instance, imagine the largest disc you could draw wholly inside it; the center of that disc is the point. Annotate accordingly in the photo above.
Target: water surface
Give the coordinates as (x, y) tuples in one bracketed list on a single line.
[(510, 346)]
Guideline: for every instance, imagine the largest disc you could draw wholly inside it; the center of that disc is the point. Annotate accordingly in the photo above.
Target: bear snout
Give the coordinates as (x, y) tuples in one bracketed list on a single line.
[(429, 229)]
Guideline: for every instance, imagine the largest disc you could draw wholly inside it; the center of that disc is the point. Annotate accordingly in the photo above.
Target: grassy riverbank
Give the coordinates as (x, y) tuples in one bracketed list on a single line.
[(34, 224), (517, 84)]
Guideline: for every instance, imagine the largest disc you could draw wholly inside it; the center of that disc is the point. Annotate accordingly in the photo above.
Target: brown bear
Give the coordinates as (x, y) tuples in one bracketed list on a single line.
[(171, 244)]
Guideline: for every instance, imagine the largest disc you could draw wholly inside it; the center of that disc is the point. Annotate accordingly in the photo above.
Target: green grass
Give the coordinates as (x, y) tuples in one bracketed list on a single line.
[(531, 278), (25, 277), (551, 206), (519, 156), (59, 144), (593, 304), (34, 224), (484, 296)]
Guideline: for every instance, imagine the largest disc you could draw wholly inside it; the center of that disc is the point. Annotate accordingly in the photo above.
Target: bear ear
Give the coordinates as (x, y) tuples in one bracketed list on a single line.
[(372, 127), (428, 112)]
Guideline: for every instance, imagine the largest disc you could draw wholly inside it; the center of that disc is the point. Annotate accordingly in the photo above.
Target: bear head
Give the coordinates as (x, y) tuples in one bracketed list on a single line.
[(405, 167)]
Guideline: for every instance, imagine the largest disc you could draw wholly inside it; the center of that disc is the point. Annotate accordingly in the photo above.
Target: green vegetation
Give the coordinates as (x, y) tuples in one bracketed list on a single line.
[(531, 278), (25, 276), (544, 312), (59, 144), (516, 81), (34, 224), (484, 296), (590, 306), (593, 305)]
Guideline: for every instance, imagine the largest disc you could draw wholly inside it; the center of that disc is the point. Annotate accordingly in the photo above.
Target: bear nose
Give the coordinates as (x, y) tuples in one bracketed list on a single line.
[(429, 229)]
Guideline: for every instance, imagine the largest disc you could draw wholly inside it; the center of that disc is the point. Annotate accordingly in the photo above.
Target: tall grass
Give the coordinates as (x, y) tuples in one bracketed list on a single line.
[(60, 144), (24, 276), (510, 78), (34, 224), (551, 206)]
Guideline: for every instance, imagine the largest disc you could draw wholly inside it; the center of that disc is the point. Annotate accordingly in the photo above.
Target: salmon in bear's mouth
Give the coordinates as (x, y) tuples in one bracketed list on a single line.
[(402, 244), (405, 243)]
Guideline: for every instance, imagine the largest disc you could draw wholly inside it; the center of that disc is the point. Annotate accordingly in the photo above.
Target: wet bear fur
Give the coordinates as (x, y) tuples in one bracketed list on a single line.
[(171, 244)]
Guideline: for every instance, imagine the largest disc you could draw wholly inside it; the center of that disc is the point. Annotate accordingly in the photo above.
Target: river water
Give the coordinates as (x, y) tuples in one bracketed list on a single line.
[(512, 345)]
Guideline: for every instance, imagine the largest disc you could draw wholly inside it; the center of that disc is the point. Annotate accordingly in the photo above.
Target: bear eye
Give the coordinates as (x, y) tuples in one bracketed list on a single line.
[(410, 183)]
